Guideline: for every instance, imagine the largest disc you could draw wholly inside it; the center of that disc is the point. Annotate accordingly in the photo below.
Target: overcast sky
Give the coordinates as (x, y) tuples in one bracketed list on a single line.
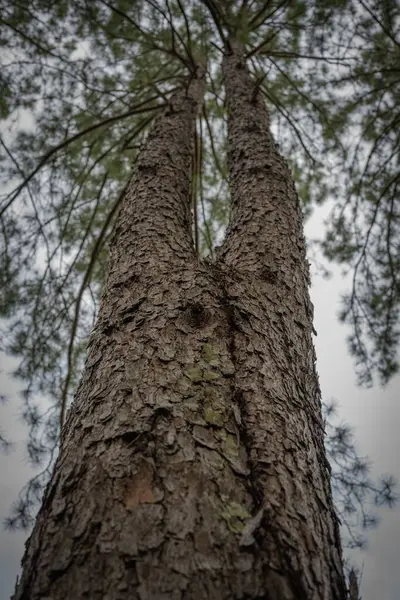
[(375, 413)]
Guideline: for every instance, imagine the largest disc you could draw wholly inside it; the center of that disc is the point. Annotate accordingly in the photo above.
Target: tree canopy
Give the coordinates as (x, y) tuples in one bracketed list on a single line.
[(81, 83)]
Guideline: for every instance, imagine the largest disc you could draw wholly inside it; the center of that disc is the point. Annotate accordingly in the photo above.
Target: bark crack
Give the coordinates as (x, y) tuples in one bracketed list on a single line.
[(233, 322)]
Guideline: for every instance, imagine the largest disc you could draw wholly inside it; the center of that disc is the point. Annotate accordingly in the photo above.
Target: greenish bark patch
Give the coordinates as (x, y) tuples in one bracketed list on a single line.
[(235, 516)]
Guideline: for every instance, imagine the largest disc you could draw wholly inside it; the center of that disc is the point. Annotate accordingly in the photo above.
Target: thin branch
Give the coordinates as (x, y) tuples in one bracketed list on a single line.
[(214, 11), (329, 59), (52, 151), (20, 171), (208, 237), (291, 122), (34, 42), (262, 44), (253, 22), (195, 176), (211, 137), (147, 35), (382, 26), (186, 27)]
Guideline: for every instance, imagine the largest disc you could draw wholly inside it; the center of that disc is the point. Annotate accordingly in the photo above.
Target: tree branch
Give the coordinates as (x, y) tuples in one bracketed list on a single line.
[(52, 151)]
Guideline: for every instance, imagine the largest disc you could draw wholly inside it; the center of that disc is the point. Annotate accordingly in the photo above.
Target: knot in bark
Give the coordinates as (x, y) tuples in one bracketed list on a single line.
[(197, 315)]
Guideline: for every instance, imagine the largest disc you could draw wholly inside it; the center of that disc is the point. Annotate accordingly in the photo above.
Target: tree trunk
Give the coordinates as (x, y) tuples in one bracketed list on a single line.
[(191, 463), (264, 259)]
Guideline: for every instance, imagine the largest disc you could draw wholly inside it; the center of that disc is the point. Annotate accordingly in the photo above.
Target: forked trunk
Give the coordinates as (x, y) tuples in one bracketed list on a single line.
[(192, 462)]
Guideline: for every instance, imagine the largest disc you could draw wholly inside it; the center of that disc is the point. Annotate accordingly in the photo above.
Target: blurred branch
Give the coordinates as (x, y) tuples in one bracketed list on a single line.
[(379, 22), (132, 111)]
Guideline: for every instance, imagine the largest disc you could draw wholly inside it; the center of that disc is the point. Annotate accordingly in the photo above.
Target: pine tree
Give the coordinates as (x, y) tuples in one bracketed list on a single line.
[(88, 136), (192, 462)]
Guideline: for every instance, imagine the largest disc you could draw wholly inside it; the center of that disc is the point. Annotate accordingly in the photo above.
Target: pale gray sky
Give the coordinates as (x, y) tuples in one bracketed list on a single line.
[(375, 413)]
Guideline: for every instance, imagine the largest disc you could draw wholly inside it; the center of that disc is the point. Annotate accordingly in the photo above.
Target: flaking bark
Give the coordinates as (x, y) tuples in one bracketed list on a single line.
[(191, 464), (264, 258)]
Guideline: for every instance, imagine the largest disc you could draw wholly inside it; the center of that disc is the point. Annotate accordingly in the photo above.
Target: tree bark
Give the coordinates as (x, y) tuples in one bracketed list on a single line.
[(267, 276), (191, 463)]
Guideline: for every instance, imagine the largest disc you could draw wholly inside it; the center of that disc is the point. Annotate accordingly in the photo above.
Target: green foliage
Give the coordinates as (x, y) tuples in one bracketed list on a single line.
[(364, 229)]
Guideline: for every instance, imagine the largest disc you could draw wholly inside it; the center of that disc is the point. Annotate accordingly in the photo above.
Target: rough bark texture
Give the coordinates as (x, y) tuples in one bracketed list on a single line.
[(192, 463), (275, 377)]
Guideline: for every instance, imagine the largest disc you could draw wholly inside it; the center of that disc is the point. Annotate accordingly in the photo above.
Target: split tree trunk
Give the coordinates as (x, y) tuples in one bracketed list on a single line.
[(192, 463)]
